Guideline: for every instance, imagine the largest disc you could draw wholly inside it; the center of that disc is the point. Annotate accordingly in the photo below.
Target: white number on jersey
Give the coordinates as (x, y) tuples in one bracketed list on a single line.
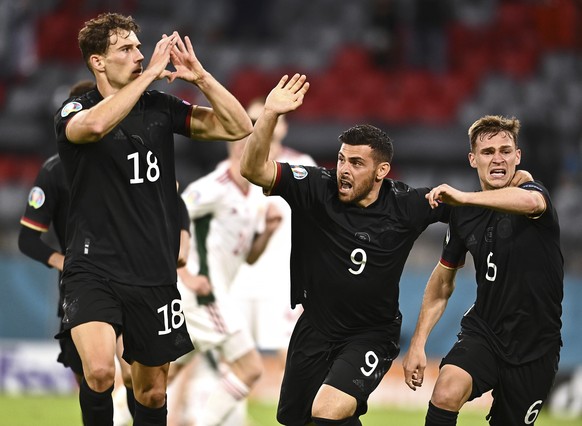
[(359, 258), (491, 267), (371, 360), (177, 316), (153, 171), (532, 413)]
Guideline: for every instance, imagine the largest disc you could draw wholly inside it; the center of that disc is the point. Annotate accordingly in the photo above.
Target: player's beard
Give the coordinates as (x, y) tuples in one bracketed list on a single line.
[(359, 190)]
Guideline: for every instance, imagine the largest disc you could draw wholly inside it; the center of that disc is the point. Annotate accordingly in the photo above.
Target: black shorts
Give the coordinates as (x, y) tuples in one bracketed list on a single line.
[(150, 318), (519, 391), (355, 367), (69, 356)]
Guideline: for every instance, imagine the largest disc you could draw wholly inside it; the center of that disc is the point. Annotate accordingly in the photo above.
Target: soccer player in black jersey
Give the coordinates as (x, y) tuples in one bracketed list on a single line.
[(510, 338), (352, 231), (48, 201), (116, 145)]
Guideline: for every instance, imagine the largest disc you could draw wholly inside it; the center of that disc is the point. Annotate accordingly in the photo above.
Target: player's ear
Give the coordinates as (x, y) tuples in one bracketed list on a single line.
[(96, 62), (518, 156), (472, 160), (382, 170)]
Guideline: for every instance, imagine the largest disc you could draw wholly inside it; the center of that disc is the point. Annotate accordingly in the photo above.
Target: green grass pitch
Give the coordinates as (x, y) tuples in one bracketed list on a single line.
[(64, 411)]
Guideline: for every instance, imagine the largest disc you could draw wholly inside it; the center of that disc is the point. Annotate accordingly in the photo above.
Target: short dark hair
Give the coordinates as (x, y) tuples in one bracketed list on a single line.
[(366, 134), (490, 125), (94, 36)]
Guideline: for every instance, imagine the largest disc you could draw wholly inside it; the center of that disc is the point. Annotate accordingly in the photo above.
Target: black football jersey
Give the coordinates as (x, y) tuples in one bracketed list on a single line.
[(346, 261), (123, 222), (48, 201), (519, 274)]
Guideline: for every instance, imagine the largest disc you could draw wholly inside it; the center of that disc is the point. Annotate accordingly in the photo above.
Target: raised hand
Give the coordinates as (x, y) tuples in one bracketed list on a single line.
[(161, 56), (288, 94), (521, 176), (187, 65)]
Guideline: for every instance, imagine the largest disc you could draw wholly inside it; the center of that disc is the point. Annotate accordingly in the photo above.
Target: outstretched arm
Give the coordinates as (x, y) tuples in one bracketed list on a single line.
[(227, 119), (508, 200), (285, 97), (438, 290)]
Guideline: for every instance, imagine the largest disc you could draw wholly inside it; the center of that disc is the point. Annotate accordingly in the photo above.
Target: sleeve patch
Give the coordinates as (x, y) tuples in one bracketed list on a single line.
[(299, 172), (71, 107), (36, 197)]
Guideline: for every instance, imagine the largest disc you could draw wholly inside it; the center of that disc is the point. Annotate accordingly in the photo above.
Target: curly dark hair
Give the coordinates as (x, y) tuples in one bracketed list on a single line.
[(94, 36), (366, 134)]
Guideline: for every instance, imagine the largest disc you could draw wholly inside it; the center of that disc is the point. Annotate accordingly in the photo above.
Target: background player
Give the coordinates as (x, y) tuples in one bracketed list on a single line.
[(232, 224), (48, 202)]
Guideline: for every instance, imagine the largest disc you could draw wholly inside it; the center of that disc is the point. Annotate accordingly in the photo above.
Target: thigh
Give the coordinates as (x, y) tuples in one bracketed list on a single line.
[(473, 355), (154, 329), (89, 298), (523, 390), (358, 369), (307, 364)]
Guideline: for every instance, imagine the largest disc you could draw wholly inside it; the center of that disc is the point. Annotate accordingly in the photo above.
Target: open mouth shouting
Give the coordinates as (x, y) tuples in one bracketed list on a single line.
[(498, 172), (344, 186)]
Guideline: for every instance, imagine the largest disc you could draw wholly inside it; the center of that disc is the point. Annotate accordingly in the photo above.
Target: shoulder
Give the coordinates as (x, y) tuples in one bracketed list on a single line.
[(211, 183), (52, 163), (400, 189), (75, 104), (301, 172), (157, 97), (535, 186)]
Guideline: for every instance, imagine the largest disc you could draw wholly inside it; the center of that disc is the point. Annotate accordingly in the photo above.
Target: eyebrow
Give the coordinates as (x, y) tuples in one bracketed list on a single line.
[(352, 158), (488, 148), (125, 43)]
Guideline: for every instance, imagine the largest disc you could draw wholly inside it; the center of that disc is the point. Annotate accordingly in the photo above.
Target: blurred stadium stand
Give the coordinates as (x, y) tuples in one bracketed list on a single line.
[(510, 57)]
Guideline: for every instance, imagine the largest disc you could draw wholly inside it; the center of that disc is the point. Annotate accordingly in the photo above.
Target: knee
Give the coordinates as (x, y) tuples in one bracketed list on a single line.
[(99, 377), (152, 398), (329, 412), (446, 399), (452, 389)]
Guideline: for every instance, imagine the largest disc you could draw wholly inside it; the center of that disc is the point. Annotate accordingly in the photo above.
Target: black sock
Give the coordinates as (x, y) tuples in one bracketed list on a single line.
[(145, 416), (350, 421), (436, 416), (96, 407), (130, 400)]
